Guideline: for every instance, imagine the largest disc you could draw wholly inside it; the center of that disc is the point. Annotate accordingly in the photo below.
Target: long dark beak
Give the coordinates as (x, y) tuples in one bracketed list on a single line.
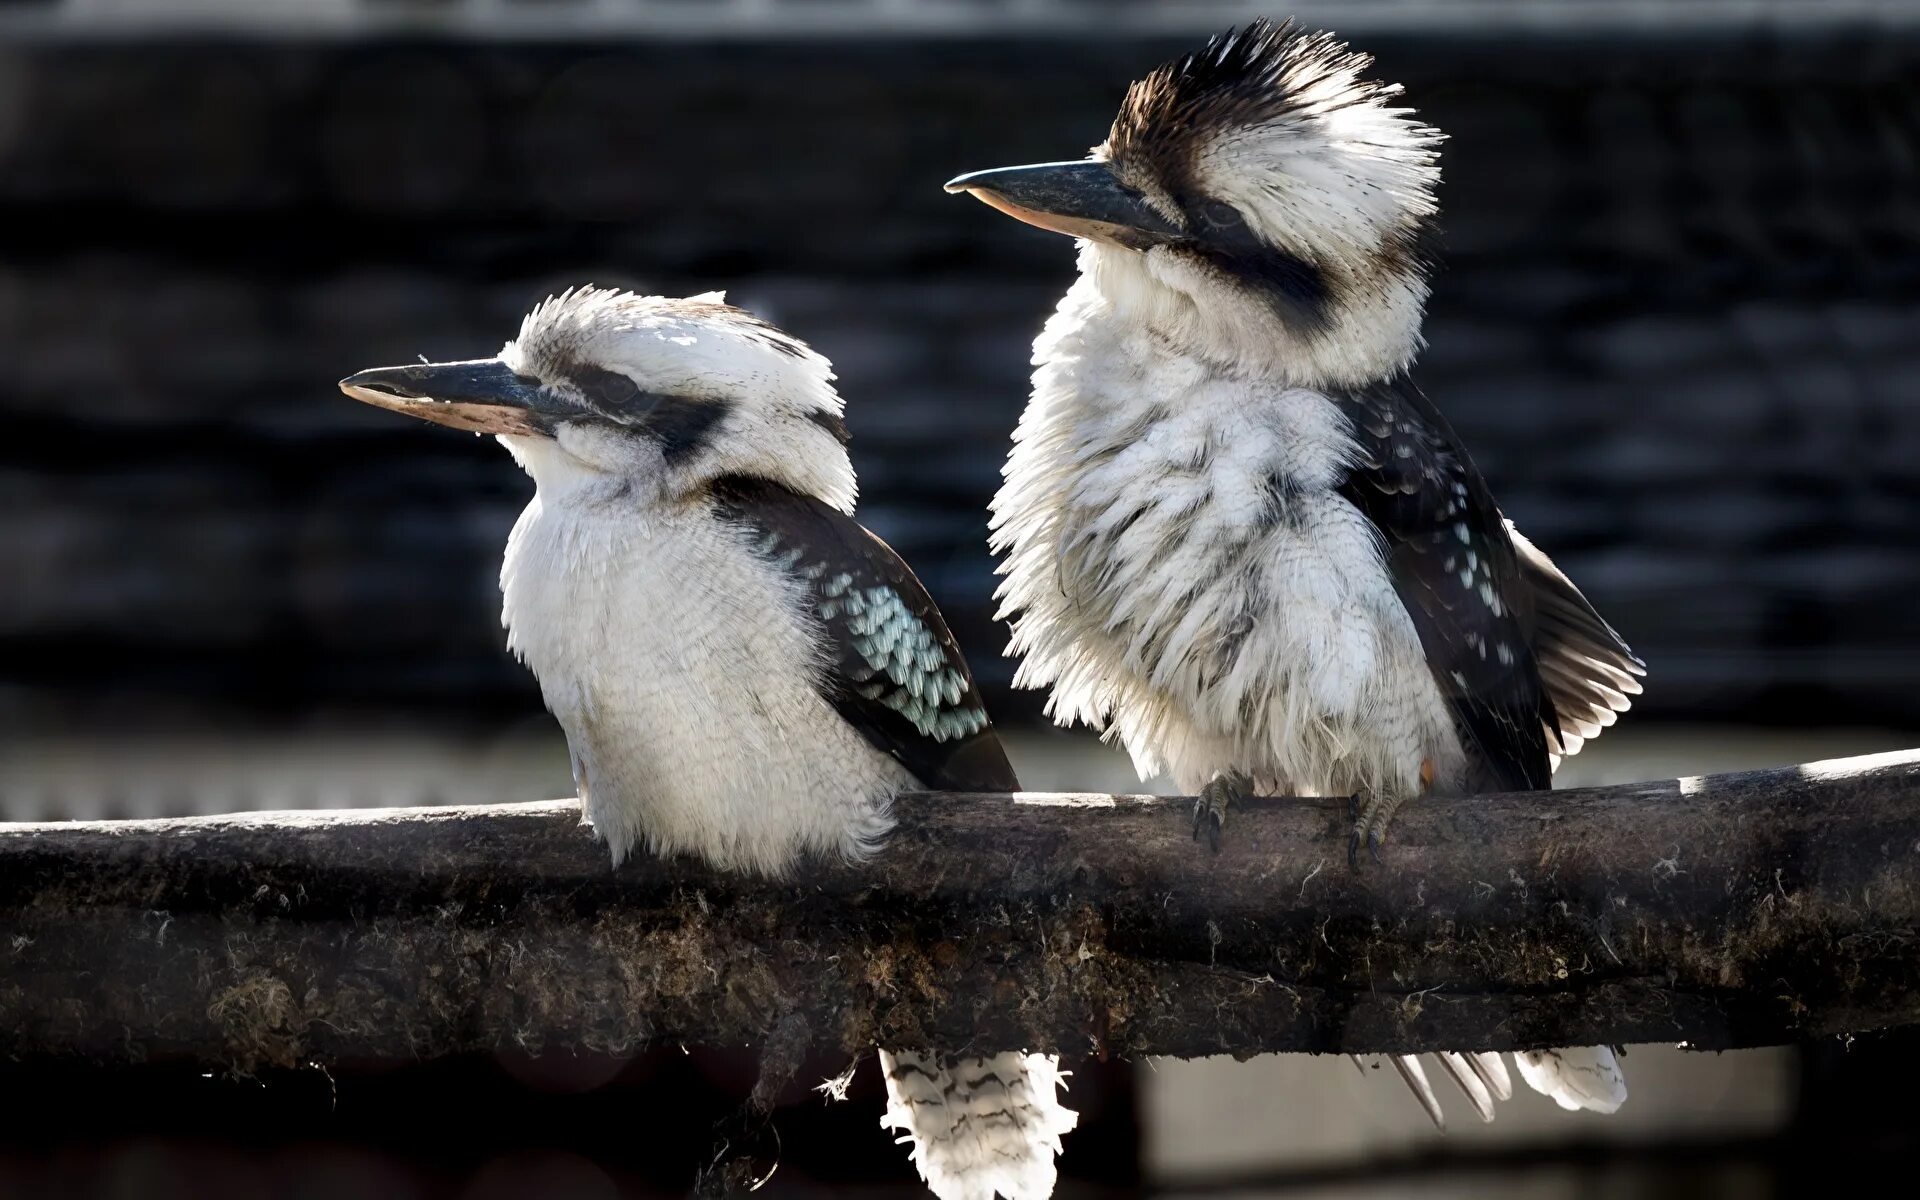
[(1080, 199), (480, 395)]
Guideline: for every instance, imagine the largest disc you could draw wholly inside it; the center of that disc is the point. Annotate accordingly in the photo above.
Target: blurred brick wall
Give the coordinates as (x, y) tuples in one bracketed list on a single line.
[(1677, 328)]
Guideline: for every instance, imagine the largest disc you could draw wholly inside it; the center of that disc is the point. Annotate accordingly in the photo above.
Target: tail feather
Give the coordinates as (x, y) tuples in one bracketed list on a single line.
[(1470, 1082), (978, 1126), (1492, 1069), (1416, 1076), (1586, 1077)]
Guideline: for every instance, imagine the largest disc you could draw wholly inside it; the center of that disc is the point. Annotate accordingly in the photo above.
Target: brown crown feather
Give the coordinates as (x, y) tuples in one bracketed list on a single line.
[(1241, 78)]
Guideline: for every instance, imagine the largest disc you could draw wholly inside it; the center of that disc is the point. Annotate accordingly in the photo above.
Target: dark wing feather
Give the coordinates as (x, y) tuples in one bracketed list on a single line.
[(895, 674), (1590, 673), (1457, 572)]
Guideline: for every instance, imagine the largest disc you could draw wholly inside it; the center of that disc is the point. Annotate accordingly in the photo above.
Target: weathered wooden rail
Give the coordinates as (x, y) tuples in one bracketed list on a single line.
[(1721, 911)]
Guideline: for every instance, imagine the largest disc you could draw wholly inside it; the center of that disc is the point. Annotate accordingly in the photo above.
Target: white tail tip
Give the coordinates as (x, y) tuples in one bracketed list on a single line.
[(979, 1126), (1585, 1077)]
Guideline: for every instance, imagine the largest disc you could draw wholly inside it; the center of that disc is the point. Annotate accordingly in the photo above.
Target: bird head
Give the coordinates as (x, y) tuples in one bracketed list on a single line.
[(604, 387), (1260, 191)]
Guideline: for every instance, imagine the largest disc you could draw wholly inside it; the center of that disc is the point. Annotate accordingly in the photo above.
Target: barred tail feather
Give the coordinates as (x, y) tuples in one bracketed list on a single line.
[(978, 1126), (1587, 1077)]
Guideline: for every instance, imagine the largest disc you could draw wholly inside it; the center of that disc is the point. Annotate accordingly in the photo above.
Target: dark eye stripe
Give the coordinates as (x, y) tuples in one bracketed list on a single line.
[(684, 426), (1295, 287), (608, 391)]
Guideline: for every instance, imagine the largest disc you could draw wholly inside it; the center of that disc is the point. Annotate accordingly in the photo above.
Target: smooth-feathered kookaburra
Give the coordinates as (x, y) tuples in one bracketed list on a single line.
[(743, 672), (1235, 534)]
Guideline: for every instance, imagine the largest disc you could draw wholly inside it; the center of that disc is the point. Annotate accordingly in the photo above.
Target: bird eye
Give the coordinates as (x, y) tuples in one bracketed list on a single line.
[(1219, 214)]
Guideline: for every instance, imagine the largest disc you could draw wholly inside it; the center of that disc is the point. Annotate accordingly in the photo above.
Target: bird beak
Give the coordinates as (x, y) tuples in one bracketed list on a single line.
[(1082, 199), (481, 395)]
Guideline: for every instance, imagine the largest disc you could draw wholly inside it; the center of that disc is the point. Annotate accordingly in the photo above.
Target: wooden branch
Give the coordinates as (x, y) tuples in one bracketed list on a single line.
[(1723, 911)]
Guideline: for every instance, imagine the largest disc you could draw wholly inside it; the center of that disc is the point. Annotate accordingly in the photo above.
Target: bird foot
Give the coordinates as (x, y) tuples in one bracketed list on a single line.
[(1372, 814), (1210, 809)]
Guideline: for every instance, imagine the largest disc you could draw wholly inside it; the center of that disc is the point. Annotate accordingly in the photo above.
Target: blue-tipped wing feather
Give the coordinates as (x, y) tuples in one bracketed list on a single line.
[(896, 673)]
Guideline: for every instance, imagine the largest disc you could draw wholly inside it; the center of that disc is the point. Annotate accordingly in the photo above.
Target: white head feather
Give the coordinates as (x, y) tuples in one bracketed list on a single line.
[(1275, 129), (771, 397)]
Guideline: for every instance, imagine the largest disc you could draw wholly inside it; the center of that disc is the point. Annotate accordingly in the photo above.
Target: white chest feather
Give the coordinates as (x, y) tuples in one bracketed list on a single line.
[(680, 667), (1180, 567)]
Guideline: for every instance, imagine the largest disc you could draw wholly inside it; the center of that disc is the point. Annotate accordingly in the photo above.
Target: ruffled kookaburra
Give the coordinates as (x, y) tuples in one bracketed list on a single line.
[(1235, 534), (743, 672)]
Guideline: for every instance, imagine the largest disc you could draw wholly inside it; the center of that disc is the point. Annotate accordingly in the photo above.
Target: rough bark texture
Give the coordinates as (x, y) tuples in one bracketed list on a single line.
[(1725, 911)]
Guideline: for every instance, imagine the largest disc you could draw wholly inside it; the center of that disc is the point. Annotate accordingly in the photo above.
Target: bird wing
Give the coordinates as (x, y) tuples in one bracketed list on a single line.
[(893, 669), (1590, 673), (1460, 578)]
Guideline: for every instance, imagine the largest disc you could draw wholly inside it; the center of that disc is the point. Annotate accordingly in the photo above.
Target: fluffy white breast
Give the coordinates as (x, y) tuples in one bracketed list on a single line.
[(682, 670), (1179, 568)]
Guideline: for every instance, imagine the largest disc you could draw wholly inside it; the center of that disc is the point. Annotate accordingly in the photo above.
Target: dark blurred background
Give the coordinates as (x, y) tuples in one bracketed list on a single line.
[(1676, 326)]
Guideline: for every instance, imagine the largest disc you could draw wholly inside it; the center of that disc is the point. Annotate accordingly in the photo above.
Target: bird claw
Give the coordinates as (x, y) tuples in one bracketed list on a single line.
[(1371, 815), (1210, 822), (1210, 809), (1373, 849)]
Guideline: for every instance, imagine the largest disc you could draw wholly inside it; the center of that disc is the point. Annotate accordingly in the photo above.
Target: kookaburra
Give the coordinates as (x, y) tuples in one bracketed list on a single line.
[(1235, 534), (743, 672)]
